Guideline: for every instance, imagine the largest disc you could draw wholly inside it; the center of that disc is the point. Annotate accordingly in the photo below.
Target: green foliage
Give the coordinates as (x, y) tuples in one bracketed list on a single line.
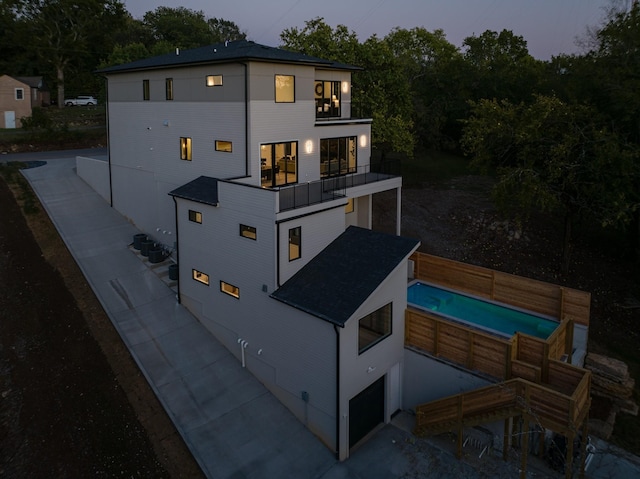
[(39, 120), (555, 157)]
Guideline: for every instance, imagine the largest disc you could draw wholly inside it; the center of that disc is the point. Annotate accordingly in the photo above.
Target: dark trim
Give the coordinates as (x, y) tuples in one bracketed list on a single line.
[(337, 330), (175, 202), (311, 213), (247, 153), (108, 144)]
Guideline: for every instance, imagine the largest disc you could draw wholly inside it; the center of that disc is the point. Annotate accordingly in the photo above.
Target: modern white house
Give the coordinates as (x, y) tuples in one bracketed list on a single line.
[(246, 163)]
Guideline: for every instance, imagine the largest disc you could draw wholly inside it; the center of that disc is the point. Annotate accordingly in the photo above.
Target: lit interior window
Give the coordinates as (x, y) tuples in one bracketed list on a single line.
[(248, 232), (214, 80), (224, 146), (230, 289), (285, 88), (200, 276), (185, 148), (195, 216)]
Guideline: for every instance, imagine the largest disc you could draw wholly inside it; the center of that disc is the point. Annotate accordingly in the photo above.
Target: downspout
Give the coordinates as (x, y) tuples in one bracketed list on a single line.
[(278, 254), (337, 330), (246, 120), (108, 143), (177, 248)]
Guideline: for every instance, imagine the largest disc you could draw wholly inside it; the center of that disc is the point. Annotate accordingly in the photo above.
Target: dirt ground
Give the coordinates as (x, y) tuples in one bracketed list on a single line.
[(74, 403)]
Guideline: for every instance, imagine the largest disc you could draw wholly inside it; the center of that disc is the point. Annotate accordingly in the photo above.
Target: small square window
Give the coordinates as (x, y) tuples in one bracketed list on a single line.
[(295, 243), (200, 276), (185, 148), (19, 93), (224, 146), (248, 232), (214, 80), (168, 85), (230, 289), (285, 88), (195, 216), (145, 90)]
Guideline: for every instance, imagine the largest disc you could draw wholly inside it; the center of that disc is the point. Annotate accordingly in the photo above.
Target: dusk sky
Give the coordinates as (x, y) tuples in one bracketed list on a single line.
[(550, 27)]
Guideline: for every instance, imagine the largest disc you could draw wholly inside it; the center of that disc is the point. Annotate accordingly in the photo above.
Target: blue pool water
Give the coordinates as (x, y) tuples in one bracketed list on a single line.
[(492, 316)]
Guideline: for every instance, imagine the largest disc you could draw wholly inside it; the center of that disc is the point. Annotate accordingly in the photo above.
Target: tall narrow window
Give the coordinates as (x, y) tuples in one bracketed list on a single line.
[(328, 99), (19, 93), (338, 156), (295, 249), (285, 88), (195, 216), (230, 289), (279, 164), (145, 90), (214, 80), (200, 277), (168, 86), (374, 327), (185, 148)]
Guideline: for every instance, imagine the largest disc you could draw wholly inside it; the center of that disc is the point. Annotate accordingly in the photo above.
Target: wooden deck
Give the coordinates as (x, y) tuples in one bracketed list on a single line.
[(536, 385)]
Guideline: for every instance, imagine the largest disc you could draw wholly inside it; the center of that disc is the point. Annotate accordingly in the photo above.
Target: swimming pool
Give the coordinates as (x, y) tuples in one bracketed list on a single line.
[(494, 317)]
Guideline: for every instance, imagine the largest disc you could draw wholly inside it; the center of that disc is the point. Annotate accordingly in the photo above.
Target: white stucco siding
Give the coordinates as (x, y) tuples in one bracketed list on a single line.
[(297, 351), (358, 371), (317, 230)]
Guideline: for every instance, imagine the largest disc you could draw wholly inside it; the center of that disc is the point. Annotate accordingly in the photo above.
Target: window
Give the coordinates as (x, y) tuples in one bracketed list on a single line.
[(374, 327), (185, 148), (349, 208), (327, 95), (230, 289), (279, 164), (338, 156), (168, 86), (248, 232), (19, 93), (200, 276), (224, 146), (285, 88), (195, 216), (145, 89), (294, 243), (214, 80)]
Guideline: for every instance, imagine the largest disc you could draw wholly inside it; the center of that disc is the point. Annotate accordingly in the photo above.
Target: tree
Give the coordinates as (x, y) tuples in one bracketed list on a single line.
[(180, 27), (555, 157), (379, 91), (432, 66), (224, 30), (69, 34), (500, 66)]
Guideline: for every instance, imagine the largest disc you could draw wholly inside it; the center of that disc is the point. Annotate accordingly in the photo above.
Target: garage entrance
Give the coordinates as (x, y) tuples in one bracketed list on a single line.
[(366, 411)]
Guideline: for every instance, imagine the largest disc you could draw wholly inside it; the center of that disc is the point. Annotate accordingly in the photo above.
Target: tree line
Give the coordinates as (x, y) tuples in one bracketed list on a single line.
[(560, 135)]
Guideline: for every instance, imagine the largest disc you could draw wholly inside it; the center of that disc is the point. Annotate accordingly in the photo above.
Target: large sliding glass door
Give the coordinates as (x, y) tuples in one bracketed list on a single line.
[(279, 164), (337, 156)]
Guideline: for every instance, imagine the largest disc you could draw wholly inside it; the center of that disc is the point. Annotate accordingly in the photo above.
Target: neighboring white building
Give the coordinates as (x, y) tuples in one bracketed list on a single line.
[(246, 159)]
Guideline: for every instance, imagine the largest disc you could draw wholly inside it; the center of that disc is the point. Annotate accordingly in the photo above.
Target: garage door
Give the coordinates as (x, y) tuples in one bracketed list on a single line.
[(366, 411)]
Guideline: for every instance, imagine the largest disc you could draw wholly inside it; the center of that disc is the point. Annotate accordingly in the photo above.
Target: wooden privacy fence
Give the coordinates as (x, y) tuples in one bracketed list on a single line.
[(544, 298), (521, 356)]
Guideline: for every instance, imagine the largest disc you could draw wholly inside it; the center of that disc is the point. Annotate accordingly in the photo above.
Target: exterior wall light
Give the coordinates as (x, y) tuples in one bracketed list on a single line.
[(363, 141), (345, 87), (308, 146)]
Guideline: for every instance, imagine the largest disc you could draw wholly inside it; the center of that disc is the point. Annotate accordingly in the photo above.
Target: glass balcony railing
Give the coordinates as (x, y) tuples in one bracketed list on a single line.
[(332, 188)]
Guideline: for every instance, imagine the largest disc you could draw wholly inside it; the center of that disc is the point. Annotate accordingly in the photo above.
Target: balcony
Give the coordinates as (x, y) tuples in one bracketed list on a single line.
[(335, 187)]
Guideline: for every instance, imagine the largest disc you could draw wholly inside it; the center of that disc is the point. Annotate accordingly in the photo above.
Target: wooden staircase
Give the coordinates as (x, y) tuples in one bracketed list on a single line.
[(544, 405)]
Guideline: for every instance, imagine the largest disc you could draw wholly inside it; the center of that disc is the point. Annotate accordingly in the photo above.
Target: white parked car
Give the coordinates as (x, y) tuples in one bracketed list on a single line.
[(80, 101)]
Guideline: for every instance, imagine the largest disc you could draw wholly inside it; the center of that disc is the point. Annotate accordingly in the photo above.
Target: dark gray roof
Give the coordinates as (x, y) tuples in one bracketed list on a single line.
[(340, 278), (203, 190), (33, 82), (241, 50)]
